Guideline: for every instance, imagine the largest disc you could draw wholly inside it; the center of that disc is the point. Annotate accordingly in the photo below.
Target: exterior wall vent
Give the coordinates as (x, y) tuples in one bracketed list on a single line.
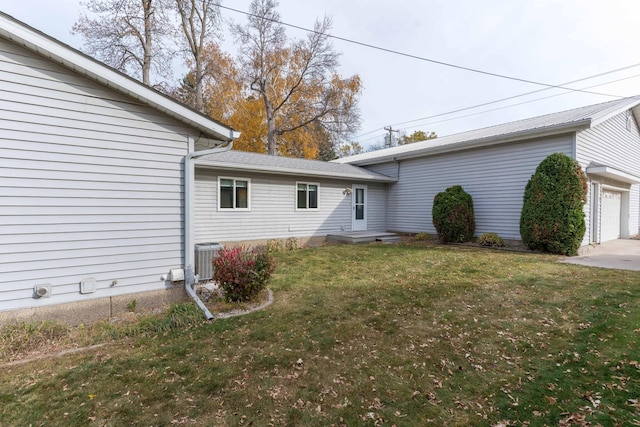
[(88, 285), (176, 275), (205, 252), (42, 291)]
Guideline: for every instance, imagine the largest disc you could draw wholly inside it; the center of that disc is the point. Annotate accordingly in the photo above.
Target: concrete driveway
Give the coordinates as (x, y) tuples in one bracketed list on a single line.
[(618, 254)]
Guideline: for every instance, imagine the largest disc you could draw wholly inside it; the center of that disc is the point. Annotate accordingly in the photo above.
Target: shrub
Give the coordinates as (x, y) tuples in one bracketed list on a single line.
[(491, 240), (552, 217), (242, 273), (291, 244), (422, 237), (274, 245), (453, 215)]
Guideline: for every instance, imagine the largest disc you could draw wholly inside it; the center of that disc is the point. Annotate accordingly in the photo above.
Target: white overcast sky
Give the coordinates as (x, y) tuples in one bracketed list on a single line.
[(549, 41)]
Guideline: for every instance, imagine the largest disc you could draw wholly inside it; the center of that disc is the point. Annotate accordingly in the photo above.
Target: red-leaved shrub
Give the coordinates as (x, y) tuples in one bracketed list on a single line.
[(242, 273)]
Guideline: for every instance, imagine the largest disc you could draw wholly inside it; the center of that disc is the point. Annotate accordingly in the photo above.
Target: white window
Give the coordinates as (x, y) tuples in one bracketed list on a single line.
[(234, 194), (307, 195)]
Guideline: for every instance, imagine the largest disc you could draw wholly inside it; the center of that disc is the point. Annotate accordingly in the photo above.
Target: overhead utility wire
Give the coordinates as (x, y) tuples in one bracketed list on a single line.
[(514, 105), (498, 108), (525, 94), (509, 98), (420, 58)]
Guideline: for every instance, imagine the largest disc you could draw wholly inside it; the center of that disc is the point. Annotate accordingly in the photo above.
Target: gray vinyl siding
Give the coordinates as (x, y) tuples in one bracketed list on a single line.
[(376, 207), (611, 144), (91, 185), (273, 214), (494, 176), (390, 169)]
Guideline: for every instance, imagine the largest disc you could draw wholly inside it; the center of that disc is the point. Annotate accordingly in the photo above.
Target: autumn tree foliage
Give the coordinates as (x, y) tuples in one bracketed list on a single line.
[(349, 149), (416, 136), (303, 96), (284, 95), (126, 34)]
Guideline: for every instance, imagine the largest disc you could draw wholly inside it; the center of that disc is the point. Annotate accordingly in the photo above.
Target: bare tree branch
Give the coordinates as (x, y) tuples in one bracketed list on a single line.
[(127, 35)]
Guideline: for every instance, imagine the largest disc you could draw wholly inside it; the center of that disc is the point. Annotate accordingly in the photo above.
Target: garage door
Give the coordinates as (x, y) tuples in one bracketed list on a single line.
[(610, 218)]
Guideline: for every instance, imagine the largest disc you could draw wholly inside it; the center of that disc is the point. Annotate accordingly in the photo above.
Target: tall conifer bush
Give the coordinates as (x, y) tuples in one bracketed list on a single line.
[(453, 215), (552, 218)]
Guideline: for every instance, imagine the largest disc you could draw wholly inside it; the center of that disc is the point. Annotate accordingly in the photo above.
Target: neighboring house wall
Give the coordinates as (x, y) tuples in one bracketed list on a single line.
[(273, 213), (614, 143), (91, 185), (494, 176)]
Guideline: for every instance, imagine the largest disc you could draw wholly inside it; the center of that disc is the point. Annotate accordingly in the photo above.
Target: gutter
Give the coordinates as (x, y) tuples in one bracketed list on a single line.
[(189, 184), (289, 172)]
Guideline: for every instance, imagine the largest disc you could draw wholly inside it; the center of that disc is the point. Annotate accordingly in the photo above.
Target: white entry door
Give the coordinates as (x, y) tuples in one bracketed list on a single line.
[(359, 208)]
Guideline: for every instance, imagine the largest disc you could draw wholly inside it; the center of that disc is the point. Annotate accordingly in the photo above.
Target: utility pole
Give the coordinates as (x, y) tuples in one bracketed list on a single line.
[(390, 130)]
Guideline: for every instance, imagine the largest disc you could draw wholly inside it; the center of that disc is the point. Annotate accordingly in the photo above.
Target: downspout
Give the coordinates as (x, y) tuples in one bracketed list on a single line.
[(189, 184)]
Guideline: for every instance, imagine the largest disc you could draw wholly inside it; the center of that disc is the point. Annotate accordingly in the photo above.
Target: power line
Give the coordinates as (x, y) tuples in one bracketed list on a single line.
[(509, 98), (408, 55), (524, 94), (498, 108), (519, 103)]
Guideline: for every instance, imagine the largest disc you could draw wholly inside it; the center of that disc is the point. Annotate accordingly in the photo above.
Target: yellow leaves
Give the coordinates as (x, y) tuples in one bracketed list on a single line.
[(300, 98)]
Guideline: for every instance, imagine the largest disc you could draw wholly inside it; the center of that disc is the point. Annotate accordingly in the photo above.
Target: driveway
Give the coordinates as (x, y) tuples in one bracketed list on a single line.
[(619, 254)]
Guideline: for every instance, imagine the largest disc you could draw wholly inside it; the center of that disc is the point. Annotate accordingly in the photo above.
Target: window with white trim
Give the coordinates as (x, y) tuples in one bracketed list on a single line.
[(307, 195), (234, 193)]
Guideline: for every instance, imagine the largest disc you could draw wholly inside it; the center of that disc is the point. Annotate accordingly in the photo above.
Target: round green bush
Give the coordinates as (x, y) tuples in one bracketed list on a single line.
[(552, 218), (453, 215)]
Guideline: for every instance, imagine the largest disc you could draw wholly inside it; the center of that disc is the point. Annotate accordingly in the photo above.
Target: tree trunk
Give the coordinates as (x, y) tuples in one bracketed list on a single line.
[(146, 63), (199, 102), (272, 132)]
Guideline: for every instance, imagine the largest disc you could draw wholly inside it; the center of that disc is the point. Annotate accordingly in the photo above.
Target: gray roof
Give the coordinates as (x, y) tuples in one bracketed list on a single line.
[(256, 162), (549, 124)]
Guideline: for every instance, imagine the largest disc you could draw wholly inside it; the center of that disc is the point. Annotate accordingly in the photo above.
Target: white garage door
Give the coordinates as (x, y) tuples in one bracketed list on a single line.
[(610, 215)]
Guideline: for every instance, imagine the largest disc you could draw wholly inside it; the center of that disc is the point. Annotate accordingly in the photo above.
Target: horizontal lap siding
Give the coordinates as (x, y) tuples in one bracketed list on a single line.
[(494, 176), (612, 144), (376, 207), (91, 185), (273, 214)]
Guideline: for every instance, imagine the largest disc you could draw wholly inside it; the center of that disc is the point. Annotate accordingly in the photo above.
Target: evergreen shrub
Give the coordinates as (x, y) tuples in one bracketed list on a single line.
[(453, 215), (552, 218)]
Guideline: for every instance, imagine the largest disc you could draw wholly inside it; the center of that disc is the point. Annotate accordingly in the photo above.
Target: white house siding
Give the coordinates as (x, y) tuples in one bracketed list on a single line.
[(612, 144), (273, 214), (91, 185), (494, 176)]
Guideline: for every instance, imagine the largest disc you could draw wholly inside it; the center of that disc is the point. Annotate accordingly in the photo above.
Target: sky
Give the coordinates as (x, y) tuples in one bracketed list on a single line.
[(546, 41)]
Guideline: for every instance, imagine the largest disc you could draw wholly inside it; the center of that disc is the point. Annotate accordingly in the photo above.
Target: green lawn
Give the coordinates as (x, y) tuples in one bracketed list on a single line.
[(407, 335)]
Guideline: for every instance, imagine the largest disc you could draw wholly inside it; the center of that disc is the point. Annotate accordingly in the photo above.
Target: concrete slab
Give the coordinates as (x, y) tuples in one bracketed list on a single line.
[(622, 254), (354, 237)]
